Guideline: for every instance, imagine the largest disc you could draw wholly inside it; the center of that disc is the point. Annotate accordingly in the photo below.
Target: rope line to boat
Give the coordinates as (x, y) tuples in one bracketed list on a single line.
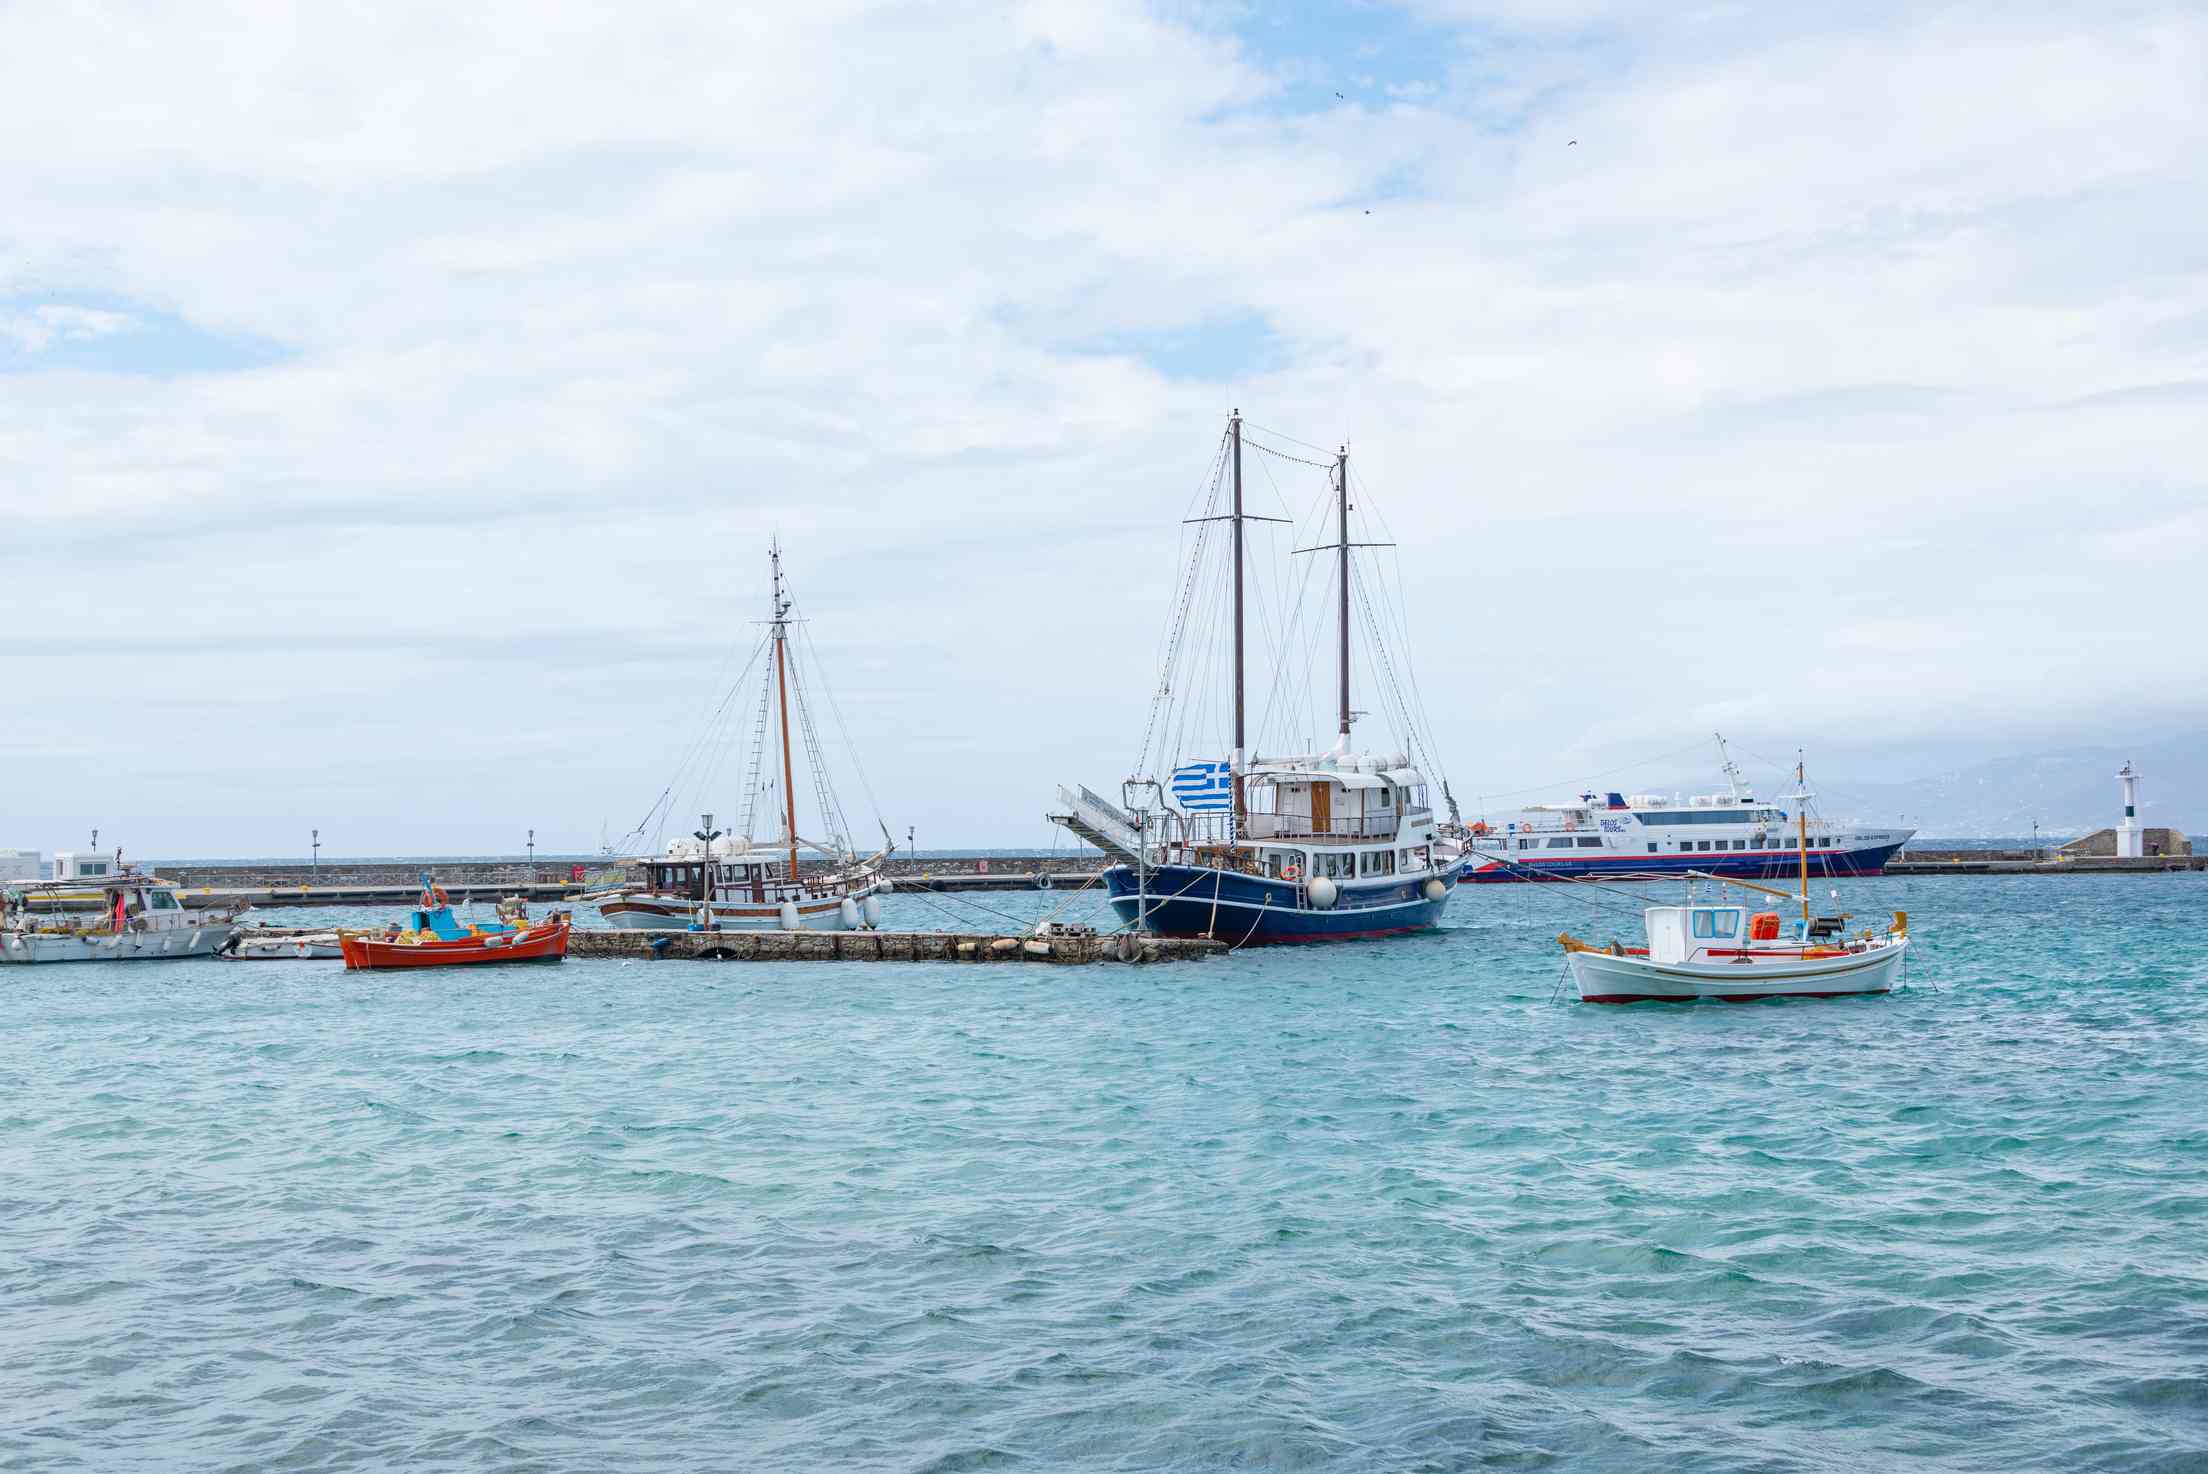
[(1260, 445), (1248, 426), (691, 753), (1176, 624), (1528, 872), (934, 898), (843, 730)]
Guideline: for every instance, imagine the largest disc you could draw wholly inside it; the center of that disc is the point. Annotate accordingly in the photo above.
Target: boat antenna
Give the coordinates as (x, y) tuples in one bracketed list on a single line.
[(1731, 769), (781, 624)]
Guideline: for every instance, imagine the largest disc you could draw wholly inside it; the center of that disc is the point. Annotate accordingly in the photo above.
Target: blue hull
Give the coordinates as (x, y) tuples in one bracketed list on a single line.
[(1763, 865), (1249, 910)]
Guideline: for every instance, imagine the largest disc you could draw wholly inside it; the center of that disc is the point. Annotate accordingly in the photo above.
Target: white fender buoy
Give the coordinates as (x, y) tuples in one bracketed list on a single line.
[(887, 885), (1436, 891), (872, 911), (847, 914), (788, 916), (1042, 881), (1323, 892)]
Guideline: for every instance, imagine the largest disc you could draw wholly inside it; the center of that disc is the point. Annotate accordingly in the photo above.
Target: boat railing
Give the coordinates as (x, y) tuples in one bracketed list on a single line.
[(1303, 826)]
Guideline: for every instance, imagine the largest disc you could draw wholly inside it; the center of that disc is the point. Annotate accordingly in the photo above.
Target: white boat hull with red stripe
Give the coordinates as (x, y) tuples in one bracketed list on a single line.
[(1607, 977)]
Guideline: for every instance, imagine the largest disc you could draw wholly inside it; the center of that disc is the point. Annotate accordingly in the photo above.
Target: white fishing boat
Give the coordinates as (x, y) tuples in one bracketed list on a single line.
[(1722, 949), (719, 879), (118, 915)]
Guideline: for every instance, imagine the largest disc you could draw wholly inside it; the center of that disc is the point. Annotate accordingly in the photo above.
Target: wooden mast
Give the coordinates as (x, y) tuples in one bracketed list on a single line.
[(1341, 474), (1801, 823), (1240, 750), (782, 687)]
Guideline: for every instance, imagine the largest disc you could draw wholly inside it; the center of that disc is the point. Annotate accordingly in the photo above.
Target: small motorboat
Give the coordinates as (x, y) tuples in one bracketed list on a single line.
[(255, 944), (1718, 949), (434, 937)]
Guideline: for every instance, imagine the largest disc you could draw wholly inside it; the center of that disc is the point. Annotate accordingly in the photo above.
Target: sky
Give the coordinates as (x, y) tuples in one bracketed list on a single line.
[(396, 402)]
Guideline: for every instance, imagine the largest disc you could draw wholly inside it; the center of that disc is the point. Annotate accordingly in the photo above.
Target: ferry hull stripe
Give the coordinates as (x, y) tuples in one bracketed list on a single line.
[(1744, 865)]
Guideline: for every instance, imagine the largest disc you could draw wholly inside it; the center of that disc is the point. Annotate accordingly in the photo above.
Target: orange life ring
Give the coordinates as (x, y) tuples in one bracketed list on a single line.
[(1291, 871)]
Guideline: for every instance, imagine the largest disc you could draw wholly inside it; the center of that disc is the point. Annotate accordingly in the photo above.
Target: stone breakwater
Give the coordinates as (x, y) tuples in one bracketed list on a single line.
[(486, 875), (865, 946)]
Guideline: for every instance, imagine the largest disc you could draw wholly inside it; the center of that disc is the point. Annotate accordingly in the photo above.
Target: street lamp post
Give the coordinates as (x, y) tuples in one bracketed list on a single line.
[(315, 849), (532, 854)]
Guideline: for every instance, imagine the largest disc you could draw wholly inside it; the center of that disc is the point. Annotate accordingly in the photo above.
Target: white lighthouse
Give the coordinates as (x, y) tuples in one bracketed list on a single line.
[(2129, 836)]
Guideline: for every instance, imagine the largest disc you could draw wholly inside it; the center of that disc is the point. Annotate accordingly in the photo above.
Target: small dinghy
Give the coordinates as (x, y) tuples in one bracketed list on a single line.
[(434, 937), (1722, 950), (250, 945)]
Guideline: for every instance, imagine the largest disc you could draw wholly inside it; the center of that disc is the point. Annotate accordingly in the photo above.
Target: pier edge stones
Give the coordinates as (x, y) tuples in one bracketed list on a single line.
[(808, 946)]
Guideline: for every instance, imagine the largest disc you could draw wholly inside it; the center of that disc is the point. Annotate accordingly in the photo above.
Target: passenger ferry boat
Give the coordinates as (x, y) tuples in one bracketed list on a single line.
[(717, 880), (98, 914), (1648, 836), (1314, 847)]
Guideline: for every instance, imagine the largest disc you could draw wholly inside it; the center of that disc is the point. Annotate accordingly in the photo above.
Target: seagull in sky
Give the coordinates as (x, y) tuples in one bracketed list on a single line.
[(1573, 144), (1340, 95)]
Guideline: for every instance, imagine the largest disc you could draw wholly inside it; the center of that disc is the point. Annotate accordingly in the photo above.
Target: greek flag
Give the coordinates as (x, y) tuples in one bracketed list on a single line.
[(1200, 787)]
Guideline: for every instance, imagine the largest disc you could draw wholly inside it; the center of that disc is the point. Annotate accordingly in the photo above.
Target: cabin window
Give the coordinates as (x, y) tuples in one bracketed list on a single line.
[(1704, 844), (1716, 925), (1561, 844), (1652, 846), (1380, 862), (93, 867), (163, 901), (1384, 798), (1590, 841)]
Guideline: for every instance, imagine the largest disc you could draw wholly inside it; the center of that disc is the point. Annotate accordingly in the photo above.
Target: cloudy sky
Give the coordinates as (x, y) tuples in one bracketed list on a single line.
[(395, 403)]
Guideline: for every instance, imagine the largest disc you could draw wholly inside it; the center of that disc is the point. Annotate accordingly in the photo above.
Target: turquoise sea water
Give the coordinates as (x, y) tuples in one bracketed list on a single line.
[(1372, 1207)]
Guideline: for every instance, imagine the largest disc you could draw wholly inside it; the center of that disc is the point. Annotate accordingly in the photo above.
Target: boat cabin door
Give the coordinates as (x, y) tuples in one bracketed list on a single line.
[(1322, 808)]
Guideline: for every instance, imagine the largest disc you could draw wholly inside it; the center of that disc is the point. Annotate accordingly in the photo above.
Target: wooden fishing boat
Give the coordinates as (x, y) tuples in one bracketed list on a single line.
[(723, 880), (434, 937), (1717, 949)]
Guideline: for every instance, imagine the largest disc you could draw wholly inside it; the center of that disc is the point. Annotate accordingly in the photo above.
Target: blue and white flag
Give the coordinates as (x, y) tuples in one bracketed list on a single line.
[(1201, 787)]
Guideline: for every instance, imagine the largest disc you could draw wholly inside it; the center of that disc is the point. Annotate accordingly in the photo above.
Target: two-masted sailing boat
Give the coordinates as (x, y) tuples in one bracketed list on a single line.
[(1318, 846), (1719, 949), (718, 879)]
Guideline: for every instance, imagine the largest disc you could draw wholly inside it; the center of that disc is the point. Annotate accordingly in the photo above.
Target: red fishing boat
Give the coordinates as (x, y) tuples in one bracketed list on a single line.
[(434, 937)]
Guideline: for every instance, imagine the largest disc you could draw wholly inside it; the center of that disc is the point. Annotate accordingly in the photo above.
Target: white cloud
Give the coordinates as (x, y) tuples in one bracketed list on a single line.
[(1829, 334), (36, 329)]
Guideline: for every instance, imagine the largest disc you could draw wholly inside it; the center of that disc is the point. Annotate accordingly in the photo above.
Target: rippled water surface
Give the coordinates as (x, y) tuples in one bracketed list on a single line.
[(1376, 1207)]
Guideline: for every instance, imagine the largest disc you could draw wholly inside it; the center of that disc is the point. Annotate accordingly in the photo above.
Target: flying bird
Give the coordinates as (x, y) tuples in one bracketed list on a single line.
[(1573, 144)]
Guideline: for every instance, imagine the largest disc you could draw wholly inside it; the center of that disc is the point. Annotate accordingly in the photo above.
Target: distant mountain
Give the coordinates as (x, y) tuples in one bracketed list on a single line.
[(2073, 791)]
